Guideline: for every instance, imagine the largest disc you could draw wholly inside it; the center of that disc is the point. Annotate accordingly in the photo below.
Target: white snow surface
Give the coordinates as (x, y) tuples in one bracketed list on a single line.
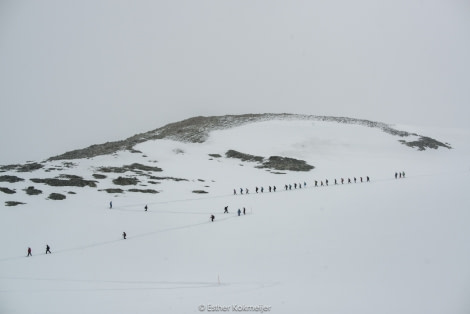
[(385, 246)]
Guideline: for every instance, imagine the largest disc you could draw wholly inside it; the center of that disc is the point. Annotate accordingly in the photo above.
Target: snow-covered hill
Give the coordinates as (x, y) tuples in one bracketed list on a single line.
[(384, 246)]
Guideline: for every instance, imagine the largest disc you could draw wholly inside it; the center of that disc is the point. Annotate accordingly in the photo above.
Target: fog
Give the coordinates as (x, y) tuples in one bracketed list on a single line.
[(77, 73)]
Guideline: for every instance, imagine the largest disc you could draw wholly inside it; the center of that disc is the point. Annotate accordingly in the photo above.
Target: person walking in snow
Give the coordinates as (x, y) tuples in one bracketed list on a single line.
[(246, 191), (326, 181), (396, 175), (316, 183), (244, 211), (226, 210), (342, 180), (274, 188), (146, 207), (368, 179), (262, 189), (48, 249), (239, 212), (336, 182), (212, 218), (256, 189), (29, 252), (110, 204), (269, 188), (124, 235), (234, 192), (241, 191), (403, 174)]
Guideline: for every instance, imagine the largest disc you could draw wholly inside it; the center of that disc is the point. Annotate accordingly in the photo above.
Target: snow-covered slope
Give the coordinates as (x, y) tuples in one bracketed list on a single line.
[(385, 246)]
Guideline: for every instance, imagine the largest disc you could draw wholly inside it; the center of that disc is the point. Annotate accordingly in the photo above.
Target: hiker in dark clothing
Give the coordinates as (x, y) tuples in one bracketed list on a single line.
[(274, 188), (295, 185), (368, 179), (247, 191), (269, 188), (262, 190), (285, 186), (349, 180), (403, 174), (342, 180), (241, 191), (48, 249), (146, 207), (396, 175), (326, 181), (256, 190), (316, 183), (226, 210), (244, 211), (110, 204), (354, 179), (336, 182), (239, 212), (124, 235), (212, 217), (29, 252)]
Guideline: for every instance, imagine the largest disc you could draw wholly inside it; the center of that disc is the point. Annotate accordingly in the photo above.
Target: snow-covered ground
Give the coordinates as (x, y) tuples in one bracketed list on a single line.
[(386, 246)]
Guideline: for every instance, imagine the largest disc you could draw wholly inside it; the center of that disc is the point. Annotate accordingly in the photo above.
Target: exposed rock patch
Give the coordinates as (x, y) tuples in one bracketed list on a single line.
[(56, 196), (69, 180), (200, 192), (425, 142), (32, 191), (10, 179), (7, 191), (285, 163), (143, 191), (125, 181), (13, 203), (243, 157)]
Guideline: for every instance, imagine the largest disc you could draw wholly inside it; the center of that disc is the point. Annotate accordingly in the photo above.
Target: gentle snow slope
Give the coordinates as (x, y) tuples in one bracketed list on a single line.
[(387, 246)]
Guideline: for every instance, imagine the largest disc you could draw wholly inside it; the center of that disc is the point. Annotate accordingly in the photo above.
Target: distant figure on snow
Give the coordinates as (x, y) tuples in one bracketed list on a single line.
[(396, 175), (124, 235), (403, 174), (256, 189), (368, 180), (29, 252), (226, 210), (110, 204), (146, 207), (239, 212), (244, 211), (234, 192), (274, 188), (212, 218), (48, 249)]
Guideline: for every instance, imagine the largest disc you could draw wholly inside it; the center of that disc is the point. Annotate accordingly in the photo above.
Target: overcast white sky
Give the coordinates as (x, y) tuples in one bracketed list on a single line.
[(77, 73)]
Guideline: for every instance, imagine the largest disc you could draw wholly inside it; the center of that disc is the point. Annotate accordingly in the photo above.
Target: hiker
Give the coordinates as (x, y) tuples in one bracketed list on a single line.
[(316, 183), (269, 188), (326, 181), (124, 235), (110, 204), (262, 189), (336, 182), (256, 190), (403, 174), (244, 211), (349, 180), (146, 207), (234, 192), (368, 179), (212, 217), (241, 191), (354, 179), (295, 185), (274, 188), (29, 252), (300, 186), (342, 180), (226, 210), (239, 212), (246, 190), (396, 175), (48, 249)]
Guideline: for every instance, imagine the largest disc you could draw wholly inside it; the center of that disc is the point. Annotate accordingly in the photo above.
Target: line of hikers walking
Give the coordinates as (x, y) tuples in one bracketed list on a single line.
[(48, 250)]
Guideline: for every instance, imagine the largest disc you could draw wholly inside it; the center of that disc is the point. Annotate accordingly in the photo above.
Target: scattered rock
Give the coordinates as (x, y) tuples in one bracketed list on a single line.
[(243, 157), (215, 155), (56, 196), (7, 191), (144, 191), (32, 191), (425, 142), (99, 176), (71, 181), (125, 181), (13, 203), (285, 163), (10, 179), (200, 191), (113, 190)]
